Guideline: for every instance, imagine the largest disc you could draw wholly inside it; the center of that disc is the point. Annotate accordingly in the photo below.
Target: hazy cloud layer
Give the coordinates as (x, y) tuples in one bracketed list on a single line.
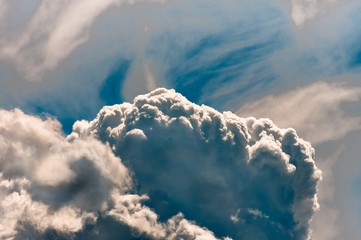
[(303, 10), (314, 110), (259, 181), (55, 30)]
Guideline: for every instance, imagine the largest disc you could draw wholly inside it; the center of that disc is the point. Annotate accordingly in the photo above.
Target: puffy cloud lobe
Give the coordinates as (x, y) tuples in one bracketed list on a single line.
[(239, 178), (128, 209), (211, 165), (52, 182)]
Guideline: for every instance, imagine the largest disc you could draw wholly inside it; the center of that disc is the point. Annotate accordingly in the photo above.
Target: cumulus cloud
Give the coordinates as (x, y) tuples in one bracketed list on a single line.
[(208, 165), (56, 29), (314, 110), (52, 182), (128, 209), (163, 167)]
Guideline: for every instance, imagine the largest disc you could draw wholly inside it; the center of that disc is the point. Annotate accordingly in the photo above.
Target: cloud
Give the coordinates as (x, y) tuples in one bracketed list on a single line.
[(53, 33), (208, 165), (319, 112), (314, 110), (50, 182), (162, 167), (3, 9), (128, 209), (214, 49), (303, 10), (327, 224)]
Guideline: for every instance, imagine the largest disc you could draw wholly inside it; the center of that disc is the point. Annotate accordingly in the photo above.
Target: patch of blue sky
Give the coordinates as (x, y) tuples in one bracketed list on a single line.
[(86, 81), (247, 55), (91, 76), (334, 40), (354, 47), (356, 59), (217, 65), (225, 54), (80, 92), (237, 65), (110, 89)]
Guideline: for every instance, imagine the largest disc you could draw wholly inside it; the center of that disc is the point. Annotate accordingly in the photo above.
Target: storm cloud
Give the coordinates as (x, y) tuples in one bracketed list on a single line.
[(163, 167)]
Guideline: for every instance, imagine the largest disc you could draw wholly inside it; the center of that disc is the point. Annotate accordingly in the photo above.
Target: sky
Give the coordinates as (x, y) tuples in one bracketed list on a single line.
[(169, 119)]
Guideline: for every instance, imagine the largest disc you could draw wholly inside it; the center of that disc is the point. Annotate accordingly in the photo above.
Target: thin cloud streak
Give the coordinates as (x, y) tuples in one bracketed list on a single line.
[(314, 110), (54, 32)]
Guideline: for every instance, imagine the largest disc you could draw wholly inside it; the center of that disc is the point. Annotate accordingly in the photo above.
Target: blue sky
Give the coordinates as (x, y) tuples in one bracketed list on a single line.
[(297, 62)]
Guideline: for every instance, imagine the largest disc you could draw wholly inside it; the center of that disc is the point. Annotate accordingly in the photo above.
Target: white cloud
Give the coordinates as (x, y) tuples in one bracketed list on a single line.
[(303, 10), (314, 110), (192, 161), (18, 206), (128, 209), (205, 159), (54, 32), (37, 166), (48, 181)]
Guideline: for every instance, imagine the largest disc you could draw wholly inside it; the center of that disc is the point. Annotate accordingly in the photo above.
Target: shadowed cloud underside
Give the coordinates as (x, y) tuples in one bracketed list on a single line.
[(160, 168)]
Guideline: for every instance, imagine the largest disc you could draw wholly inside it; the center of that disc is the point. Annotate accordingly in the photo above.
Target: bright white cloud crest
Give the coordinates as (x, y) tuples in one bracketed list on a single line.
[(152, 165)]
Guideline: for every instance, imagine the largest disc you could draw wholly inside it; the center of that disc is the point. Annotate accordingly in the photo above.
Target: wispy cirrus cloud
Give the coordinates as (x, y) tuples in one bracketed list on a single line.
[(53, 33), (314, 110)]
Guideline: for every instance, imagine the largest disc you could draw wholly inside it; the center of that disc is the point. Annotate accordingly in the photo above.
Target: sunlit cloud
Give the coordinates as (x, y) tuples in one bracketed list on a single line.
[(161, 149)]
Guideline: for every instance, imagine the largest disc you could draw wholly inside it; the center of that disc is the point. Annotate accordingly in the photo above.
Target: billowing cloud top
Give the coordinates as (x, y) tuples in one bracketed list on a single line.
[(151, 165)]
